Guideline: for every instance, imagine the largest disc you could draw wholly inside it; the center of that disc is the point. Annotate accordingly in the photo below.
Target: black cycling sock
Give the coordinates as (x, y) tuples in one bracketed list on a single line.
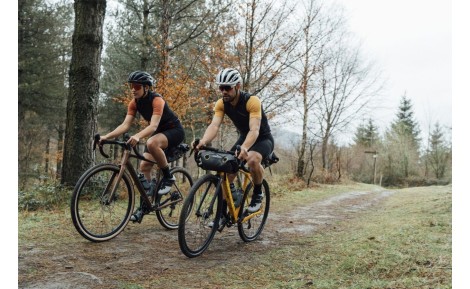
[(166, 172), (224, 207), (257, 189)]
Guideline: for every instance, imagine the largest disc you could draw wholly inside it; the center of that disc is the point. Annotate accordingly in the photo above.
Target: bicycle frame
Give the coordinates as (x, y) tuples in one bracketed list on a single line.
[(225, 186), (126, 164), (210, 200), (105, 195)]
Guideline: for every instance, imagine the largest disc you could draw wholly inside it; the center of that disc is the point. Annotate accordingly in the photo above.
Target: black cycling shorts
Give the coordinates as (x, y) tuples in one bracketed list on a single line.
[(263, 145), (174, 135)]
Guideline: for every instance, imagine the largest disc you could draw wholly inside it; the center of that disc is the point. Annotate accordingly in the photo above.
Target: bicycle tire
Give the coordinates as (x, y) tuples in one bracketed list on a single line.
[(169, 216), (251, 229), (194, 232), (93, 217)]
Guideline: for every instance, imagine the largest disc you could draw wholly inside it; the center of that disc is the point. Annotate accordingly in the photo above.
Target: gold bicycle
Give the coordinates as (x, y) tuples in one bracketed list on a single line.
[(202, 208)]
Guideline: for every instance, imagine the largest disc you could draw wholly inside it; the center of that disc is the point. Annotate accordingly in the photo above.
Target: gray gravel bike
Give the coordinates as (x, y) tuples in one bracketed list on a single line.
[(104, 197)]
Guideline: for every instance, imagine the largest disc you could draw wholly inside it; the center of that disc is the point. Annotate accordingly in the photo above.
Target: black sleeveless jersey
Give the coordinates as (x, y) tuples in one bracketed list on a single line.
[(241, 117), (144, 106)]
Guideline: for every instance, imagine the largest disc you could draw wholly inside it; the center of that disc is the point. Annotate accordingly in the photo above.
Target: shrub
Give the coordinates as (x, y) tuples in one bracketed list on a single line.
[(46, 196), (413, 181)]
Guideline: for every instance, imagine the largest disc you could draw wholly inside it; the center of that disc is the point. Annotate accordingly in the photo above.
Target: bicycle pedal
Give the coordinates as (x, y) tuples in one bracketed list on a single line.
[(221, 228), (137, 221)]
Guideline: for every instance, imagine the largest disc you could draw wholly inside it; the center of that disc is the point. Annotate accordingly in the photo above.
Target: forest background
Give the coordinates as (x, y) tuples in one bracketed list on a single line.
[(299, 58)]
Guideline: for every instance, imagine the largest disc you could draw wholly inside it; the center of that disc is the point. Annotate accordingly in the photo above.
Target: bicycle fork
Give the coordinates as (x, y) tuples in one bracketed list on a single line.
[(115, 180)]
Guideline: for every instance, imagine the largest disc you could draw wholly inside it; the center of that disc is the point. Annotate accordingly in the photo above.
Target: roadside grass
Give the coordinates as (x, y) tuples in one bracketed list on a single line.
[(46, 227), (407, 243)]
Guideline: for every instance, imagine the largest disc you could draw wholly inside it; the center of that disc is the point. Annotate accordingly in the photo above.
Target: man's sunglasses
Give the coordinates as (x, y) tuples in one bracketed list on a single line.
[(225, 87), (135, 86)]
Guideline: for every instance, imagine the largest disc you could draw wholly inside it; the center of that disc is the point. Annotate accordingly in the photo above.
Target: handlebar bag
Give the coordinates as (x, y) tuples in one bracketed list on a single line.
[(216, 161)]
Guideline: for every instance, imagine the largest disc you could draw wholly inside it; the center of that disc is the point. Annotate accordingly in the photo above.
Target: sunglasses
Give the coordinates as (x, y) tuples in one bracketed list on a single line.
[(225, 87), (135, 86)]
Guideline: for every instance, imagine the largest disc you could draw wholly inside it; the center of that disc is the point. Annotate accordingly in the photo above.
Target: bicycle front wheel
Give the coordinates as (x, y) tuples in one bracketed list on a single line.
[(250, 229), (97, 215), (201, 211), (172, 202)]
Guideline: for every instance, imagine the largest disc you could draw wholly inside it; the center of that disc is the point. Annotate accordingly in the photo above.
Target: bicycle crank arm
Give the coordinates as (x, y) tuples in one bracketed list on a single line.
[(157, 207)]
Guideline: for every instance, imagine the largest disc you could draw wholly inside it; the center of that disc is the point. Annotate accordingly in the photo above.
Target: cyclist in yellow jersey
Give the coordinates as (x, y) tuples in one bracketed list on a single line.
[(247, 115)]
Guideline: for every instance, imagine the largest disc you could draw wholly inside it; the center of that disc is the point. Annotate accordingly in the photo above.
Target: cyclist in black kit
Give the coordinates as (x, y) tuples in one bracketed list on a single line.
[(164, 130), (247, 115)]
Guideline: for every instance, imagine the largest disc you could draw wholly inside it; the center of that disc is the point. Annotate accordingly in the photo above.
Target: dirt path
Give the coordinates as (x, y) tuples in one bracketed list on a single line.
[(83, 264)]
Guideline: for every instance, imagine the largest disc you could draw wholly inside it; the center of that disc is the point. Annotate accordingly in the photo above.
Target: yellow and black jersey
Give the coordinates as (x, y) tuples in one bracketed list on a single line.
[(248, 106)]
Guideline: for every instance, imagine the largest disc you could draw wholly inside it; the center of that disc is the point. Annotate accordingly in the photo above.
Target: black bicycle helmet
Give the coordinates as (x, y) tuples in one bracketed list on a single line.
[(228, 76), (141, 77)]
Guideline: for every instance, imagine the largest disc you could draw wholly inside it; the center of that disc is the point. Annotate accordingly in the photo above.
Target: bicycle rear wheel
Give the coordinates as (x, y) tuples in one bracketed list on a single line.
[(252, 228), (202, 207), (97, 216), (169, 215)]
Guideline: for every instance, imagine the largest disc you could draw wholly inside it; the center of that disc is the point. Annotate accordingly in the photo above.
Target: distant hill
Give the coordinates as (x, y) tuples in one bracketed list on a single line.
[(285, 138)]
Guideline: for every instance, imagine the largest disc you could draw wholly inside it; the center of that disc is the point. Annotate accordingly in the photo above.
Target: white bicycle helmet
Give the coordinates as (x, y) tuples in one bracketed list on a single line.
[(228, 76)]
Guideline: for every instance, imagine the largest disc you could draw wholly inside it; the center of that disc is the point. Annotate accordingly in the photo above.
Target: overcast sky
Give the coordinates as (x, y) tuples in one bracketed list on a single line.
[(411, 42)]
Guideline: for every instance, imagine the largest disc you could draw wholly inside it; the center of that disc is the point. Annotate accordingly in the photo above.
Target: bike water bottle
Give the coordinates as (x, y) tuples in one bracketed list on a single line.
[(237, 195), (144, 182)]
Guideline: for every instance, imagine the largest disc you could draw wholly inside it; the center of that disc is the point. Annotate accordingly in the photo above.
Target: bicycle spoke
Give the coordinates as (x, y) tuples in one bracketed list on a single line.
[(253, 224), (199, 211), (171, 203), (98, 216)]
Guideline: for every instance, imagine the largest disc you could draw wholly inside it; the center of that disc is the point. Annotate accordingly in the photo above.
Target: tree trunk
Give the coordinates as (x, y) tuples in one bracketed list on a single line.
[(165, 44), (60, 150), (303, 144), (338, 164), (46, 166), (324, 151), (312, 147), (84, 76), (146, 37)]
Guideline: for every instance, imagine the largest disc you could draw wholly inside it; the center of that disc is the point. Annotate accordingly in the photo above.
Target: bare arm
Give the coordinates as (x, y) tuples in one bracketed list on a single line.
[(122, 128), (211, 131), (253, 106), (252, 135), (147, 131)]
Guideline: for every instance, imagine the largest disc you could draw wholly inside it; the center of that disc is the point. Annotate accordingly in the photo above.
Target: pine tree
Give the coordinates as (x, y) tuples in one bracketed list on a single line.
[(405, 123), (402, 145), (367, 134), (44, 48), (439, 153)]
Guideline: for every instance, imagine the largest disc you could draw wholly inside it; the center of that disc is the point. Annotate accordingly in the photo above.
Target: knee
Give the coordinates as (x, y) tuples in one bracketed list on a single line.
[(153, 143), (253, 162)]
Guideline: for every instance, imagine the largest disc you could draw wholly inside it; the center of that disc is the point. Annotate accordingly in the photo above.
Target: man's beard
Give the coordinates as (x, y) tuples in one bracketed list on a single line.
[(228, 98)]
